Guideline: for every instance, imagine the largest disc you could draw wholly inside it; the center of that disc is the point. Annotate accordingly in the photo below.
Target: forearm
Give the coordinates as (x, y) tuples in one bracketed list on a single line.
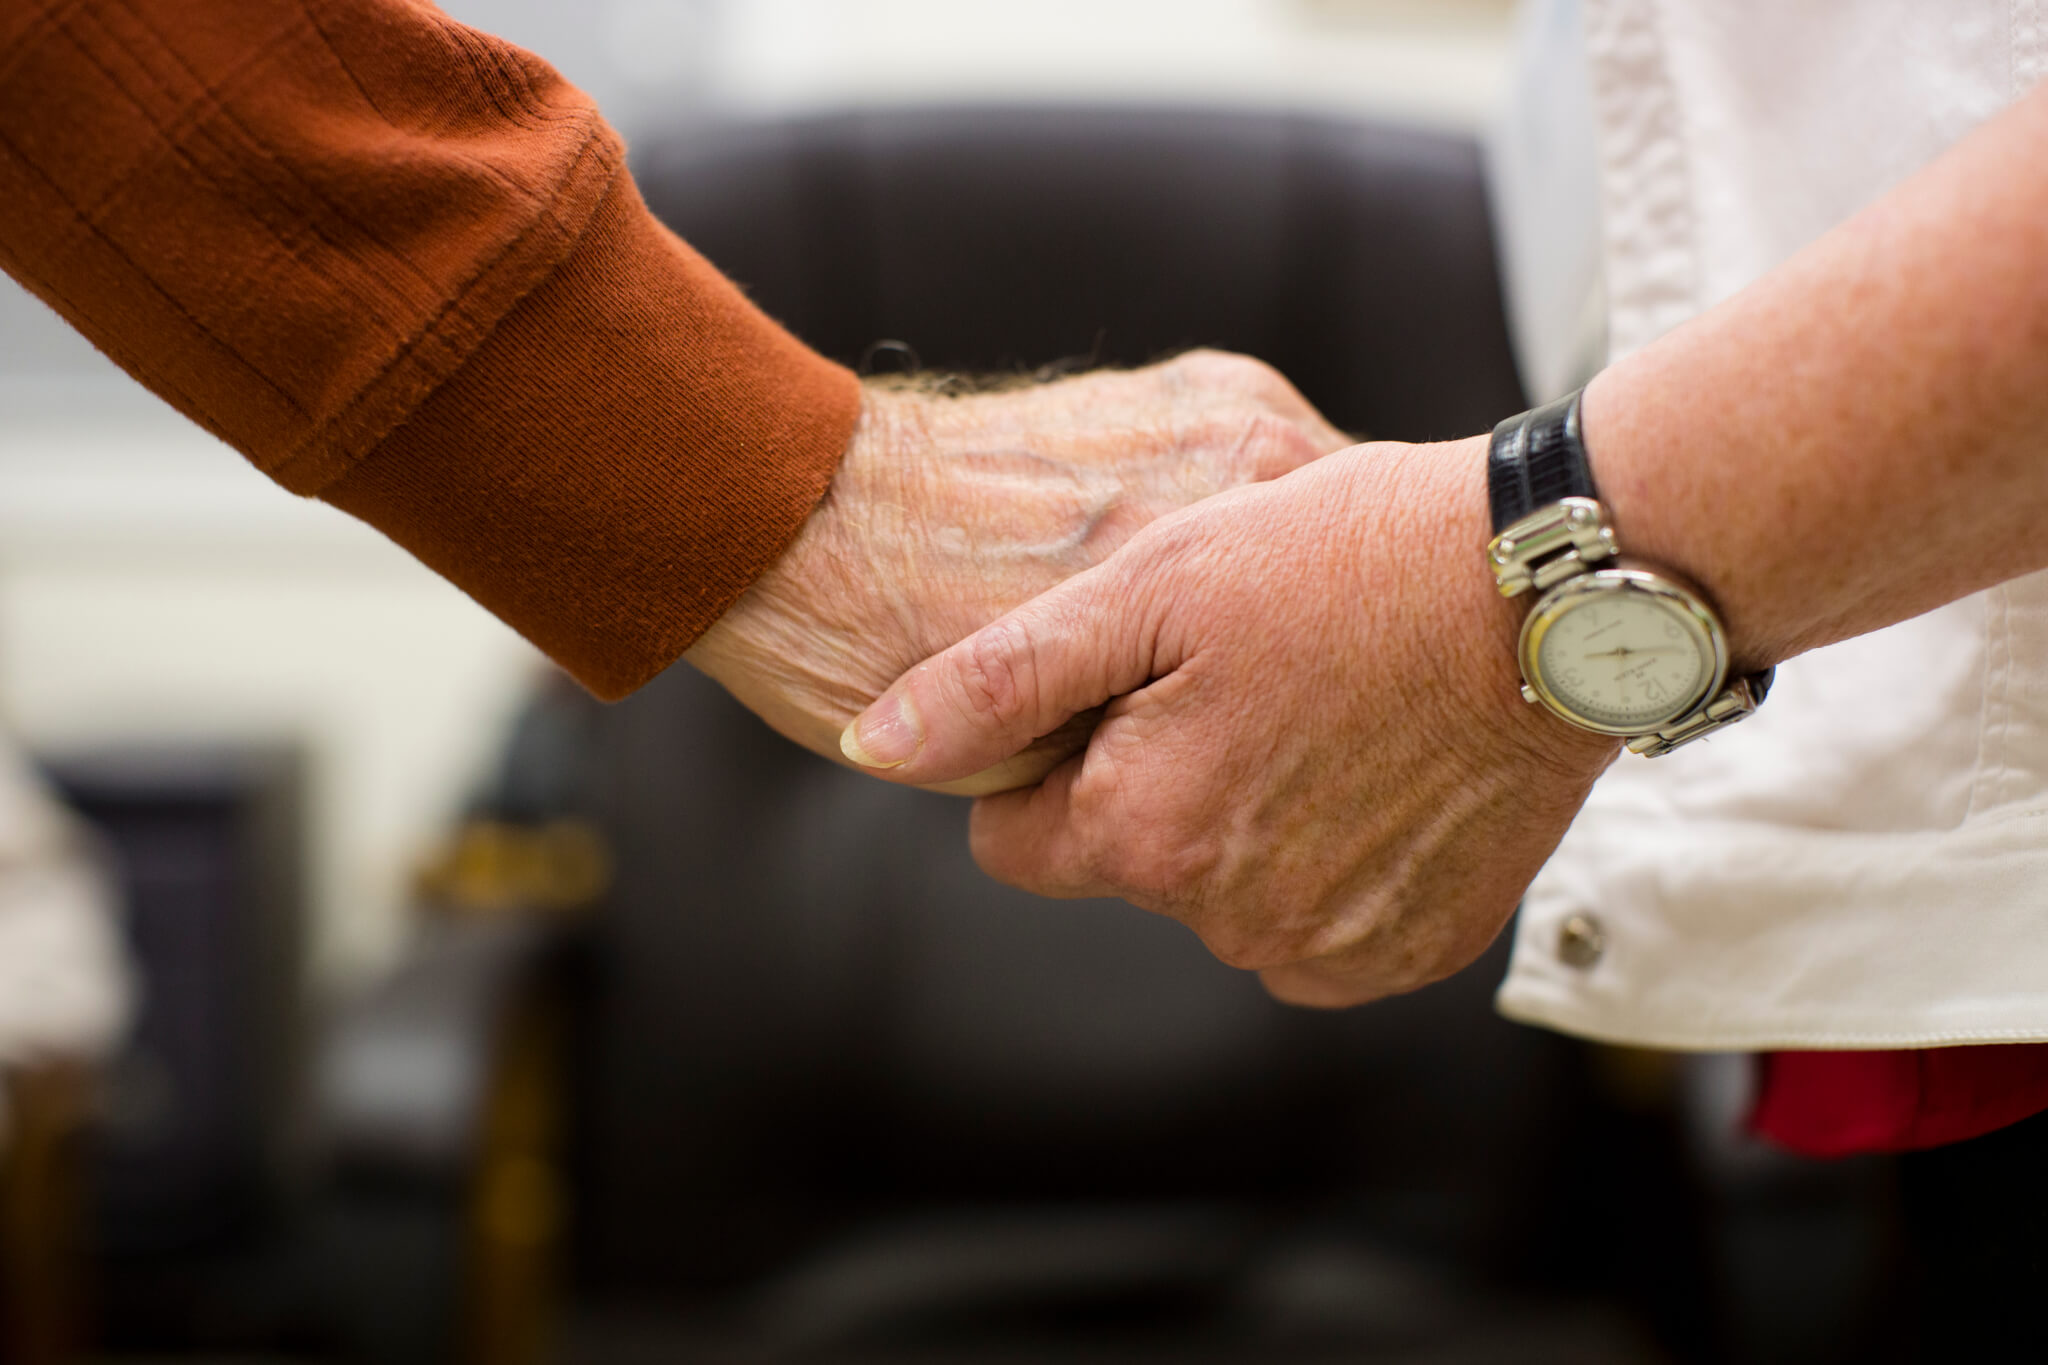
[(401, 266), (1312, 751), (1862, 435)]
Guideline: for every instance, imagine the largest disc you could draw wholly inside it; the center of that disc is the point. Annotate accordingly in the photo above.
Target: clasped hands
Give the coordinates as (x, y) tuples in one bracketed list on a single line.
[(1190, 647)]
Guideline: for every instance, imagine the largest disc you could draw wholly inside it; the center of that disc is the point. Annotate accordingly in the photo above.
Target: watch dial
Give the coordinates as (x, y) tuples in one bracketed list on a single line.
[(1625, 658)]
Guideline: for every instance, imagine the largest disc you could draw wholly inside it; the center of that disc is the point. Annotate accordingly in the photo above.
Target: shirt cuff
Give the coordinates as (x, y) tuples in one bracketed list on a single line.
[(631, 446)]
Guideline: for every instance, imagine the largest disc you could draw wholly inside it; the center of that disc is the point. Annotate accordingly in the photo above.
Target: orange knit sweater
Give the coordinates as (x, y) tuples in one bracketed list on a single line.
[(401, 266)]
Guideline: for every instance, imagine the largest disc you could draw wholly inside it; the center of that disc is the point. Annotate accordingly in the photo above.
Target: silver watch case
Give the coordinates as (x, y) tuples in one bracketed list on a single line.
[(1687, 606)]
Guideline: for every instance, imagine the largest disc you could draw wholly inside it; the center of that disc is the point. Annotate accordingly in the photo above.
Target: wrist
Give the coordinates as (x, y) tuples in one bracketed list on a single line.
[(789, 647), (1671, 506), (1480, 628)]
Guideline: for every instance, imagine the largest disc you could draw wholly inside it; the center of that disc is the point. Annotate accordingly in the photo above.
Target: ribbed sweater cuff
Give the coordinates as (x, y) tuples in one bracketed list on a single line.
[(630, 448)]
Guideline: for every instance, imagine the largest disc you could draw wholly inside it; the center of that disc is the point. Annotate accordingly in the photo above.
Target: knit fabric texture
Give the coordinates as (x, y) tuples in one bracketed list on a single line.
[(400, 265)]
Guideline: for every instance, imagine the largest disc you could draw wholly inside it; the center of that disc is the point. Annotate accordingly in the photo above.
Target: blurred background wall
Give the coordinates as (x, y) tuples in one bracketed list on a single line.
[(154, 588)]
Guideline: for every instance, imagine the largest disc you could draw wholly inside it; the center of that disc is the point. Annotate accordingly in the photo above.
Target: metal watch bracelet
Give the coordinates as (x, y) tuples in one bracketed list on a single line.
[(1550, 527)]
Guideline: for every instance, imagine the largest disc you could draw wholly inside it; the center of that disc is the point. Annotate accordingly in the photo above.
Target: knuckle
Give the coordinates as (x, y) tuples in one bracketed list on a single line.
[(998, 673), (1263, 940), (1273, 442), (1244, 375), (1200, 360), (1285, 987), (1253, 444), (1289, 928), (1318, 991), (1149, 872), (1246, 952), (1412, 946), (993, 855), (1265, 384), (1044, 867), (1453, 953)]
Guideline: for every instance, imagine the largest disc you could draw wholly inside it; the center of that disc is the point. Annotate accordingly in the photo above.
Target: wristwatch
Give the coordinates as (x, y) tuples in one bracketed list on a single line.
[(1612, 644)]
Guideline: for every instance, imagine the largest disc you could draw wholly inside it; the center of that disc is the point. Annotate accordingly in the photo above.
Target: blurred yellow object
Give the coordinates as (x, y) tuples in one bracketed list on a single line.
[(519, 1202), (490, 867), (519, 1206), (41, 1213), (1637, 1078)]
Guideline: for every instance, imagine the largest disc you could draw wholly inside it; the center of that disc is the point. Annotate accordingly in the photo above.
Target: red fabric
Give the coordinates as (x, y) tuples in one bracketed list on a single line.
[(1845, 1103)]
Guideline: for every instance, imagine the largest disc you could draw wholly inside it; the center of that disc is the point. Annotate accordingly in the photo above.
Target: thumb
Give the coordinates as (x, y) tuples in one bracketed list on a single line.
[(990, 696)]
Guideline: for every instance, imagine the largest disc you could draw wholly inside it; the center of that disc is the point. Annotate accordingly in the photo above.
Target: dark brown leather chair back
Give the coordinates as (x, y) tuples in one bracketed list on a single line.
[(809, 1008)]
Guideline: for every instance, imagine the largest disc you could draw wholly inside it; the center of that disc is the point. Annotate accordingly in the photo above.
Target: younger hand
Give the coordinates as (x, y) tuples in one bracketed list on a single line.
[(1316, 756)]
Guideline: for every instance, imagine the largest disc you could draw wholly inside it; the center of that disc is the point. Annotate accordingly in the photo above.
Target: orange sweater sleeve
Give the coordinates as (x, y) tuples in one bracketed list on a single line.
[(401, 266)]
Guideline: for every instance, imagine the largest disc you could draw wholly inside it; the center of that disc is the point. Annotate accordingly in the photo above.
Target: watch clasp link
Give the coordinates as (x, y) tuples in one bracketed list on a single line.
[(1550, 545), (1737, 702)]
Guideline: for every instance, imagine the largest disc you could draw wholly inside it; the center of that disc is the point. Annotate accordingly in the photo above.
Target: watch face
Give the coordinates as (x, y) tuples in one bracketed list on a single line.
[(1622, 651)]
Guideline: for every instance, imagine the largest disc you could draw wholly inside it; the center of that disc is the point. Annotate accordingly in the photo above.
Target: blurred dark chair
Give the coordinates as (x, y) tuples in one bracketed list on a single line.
[(1356, 257)]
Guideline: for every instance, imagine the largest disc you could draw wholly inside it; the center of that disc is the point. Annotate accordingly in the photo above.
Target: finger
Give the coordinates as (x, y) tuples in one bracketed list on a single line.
[(990, 696), (1031, 767), (1029, 839)]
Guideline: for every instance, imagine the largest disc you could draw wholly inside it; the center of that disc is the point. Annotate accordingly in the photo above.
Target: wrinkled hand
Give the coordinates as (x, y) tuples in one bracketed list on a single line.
[(1317, 756), (948, 511)]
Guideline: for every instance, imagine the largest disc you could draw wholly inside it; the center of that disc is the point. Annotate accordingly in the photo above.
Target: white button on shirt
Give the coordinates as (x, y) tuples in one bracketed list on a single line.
[(1865, 862)]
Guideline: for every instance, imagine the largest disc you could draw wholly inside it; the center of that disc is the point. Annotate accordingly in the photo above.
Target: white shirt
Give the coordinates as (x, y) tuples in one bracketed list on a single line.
[(1865, 862)]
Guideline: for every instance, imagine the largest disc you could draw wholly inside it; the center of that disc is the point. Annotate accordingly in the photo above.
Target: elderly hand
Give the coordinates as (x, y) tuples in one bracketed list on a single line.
[(948, 511), (1316, 755)]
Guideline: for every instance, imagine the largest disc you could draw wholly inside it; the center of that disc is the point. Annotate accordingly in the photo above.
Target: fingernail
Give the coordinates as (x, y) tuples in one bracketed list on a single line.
[(887, 735)]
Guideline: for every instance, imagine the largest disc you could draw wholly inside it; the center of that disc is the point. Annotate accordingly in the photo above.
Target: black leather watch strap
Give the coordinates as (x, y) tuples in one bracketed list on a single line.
[(1540, 458), (1537, 459)]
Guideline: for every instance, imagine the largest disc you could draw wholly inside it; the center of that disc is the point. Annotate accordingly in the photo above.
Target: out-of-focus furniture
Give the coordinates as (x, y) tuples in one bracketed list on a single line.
[(62, 1002), (195, 1148), (820, 1049), (439, 1234), (888, 1024), (835, 1093), (233, 1179), (1356, 257), (806, 1085), (835, 1096), (42, 1300)]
